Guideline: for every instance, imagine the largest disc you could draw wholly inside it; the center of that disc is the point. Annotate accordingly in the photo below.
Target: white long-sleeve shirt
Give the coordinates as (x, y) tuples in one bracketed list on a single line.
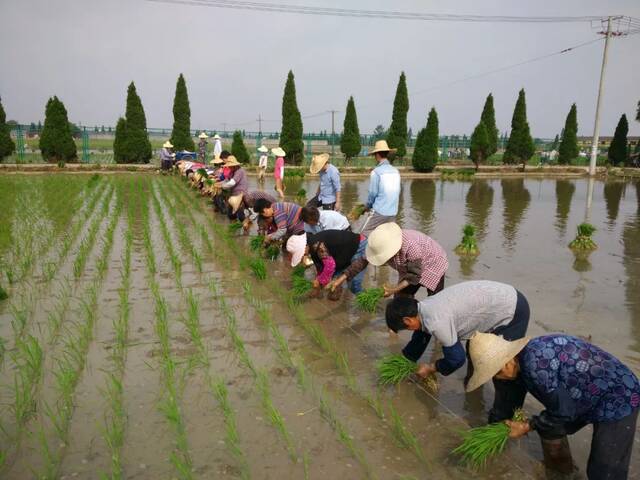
[(217, 148), (262, 162)]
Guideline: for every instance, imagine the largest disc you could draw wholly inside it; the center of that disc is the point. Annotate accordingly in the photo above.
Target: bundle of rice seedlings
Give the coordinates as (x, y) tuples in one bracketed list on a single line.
[(583, 240), (256, 243), (301, 196), (233, 227), (368, 299), (298, 271), (258, 268), (272, 251), (481, 443), (357, 211), (3, 294), (300, 286), (468, 245), (202, 172), (395, 368)]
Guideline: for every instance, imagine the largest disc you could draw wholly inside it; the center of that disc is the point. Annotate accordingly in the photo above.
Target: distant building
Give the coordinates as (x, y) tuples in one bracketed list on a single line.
[(584, 143)]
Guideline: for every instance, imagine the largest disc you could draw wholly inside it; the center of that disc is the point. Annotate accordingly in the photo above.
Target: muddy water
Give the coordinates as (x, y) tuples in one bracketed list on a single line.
[(523, 228)]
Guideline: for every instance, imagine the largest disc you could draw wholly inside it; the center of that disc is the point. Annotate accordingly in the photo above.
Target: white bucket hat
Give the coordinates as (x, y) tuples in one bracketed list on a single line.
[(278, 152), (296, 246), (203, 135), (216, 137), (263, 149), (383, 243), (167, 144), (489, 353), (317, 162), (381, 146)]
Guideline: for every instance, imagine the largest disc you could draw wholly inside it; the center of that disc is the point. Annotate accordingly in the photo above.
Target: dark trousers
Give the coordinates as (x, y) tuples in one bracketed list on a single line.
[(611, 446), (328, 206), (419, 340)]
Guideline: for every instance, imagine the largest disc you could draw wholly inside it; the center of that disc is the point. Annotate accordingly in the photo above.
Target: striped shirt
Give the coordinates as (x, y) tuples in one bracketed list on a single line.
[(286, 216), (421, 260)]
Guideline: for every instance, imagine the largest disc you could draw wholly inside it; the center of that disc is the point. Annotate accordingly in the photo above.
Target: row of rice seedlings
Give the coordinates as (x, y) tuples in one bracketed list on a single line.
[(56, 316), (168, 242), (28, 359), (405, 437), (70, 364), (192, 323), (143, 203)]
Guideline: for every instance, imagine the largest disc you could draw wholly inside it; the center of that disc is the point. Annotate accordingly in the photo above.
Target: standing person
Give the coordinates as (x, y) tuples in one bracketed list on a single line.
[(217, 145), (452, 316), (219, 198), (278, 170), (263, 162), (577, 383), (328, 193), (167, 156), (202, 147), (419, 260), (237, 184), (316, 221), (286, 217), (331, 251), (384, 190)]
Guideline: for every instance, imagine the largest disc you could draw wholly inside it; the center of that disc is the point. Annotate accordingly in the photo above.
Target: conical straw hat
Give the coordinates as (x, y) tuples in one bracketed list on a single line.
[(317, 162), (231, 161), (383, 243), (381, 146), (203, 135), (263, 149), (167, 144), (489, 353), (278, 152), (235, 202)]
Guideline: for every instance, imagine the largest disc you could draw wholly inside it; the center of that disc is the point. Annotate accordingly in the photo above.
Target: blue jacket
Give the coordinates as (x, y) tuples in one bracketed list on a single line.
[(384, 189)]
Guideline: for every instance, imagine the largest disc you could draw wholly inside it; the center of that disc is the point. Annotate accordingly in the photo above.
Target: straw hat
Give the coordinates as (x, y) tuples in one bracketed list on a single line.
[(278, 152), (235, 202), (317, 162), (296, 246), (384, 242), (167, 144), (489, 353), (232, 161), (216, 137), (203, 135), (381, 146), (263, 149)]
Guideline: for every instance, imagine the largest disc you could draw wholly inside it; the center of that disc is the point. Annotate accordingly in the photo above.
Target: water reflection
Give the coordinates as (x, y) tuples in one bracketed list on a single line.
[(631, 261), (516, 199), (564, 193), (612, 195), (423, 200), (478, 206)]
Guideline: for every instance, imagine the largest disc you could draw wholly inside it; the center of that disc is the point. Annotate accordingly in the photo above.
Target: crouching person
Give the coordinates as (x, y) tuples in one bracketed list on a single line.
[(452, 316), (577, 383), (284, 215), (316, 220)]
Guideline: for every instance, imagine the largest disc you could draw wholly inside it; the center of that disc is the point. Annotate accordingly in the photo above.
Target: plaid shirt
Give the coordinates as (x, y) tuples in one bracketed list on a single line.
[(421, 260), (249, 198)]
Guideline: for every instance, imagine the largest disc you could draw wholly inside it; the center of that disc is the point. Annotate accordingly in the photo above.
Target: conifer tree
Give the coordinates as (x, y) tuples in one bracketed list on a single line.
[(397, 134), (520, 147), (569, 143), (488, 118), (425, 153), (119, 148), (618, 153), (181, 133), (135, 146), (556, 143), (7, 147), (291, 133), (238, 149), (480, 144), (350, 141), (56, 142)]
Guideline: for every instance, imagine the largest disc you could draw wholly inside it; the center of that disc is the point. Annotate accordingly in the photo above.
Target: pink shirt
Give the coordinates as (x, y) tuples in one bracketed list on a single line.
[(278, 169)]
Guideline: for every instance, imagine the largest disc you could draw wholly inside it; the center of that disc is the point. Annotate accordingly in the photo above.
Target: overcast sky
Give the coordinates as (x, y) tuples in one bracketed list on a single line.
[(235, 63)]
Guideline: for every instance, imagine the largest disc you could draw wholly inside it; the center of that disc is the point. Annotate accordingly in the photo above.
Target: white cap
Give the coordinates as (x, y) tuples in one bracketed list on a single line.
[(296, 246)]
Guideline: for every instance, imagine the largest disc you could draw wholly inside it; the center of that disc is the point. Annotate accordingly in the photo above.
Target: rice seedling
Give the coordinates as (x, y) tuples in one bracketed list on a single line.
[(3, 294), (404, 436), (258, 268), (357, 211), (300, 287), (368, 299), (298, 271), (168, 242), (468, 245), (192, 322), (482, 443), (256, 243), (583, 241), (272, 251), (276, 419), (234, 227), (393, 369)]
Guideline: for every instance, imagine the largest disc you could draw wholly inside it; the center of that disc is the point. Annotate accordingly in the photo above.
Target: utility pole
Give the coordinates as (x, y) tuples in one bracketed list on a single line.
[(596, 126), (333, 133), (224, 129), (260, 125)]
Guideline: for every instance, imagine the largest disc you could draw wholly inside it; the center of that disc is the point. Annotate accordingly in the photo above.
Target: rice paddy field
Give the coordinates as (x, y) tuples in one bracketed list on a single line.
[(144, 339)]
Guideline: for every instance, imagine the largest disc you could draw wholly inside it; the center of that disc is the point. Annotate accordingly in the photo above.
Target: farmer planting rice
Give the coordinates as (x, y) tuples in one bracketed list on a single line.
[(452, 316), (328, 194), (384, 190), (316, 220), (167, 156), (578, 384), (236, 184), (419, 260), (285, 216), (219, 198), (331, 251), (278, 170), (247, 202)]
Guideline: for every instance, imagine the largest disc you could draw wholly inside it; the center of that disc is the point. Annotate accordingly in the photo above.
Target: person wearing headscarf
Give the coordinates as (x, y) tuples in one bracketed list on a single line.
[(202, 147)]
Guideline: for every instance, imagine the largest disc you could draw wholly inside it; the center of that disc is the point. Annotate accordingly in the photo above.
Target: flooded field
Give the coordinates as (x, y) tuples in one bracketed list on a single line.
[(137, 343)]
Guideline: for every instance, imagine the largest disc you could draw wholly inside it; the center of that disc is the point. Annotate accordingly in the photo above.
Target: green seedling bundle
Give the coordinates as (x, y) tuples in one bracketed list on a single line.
[(234, 227), (583, 241), (357, 211), (468, 245), (258, 268), (272, 251), (368, 299), (256, 243)]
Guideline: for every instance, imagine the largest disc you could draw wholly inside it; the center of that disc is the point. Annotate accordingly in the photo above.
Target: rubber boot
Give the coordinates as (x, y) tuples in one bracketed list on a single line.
[(557, 455)]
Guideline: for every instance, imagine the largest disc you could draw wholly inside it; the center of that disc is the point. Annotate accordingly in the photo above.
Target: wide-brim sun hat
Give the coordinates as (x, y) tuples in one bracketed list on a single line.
[(317, 162), (278, 152), (231, 161), (383, 243), (234, 202), (381, 146), (203, 135), (167, 144), (216, 137), (296, 246), (263, 149), (489, 354), (216, 161)]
